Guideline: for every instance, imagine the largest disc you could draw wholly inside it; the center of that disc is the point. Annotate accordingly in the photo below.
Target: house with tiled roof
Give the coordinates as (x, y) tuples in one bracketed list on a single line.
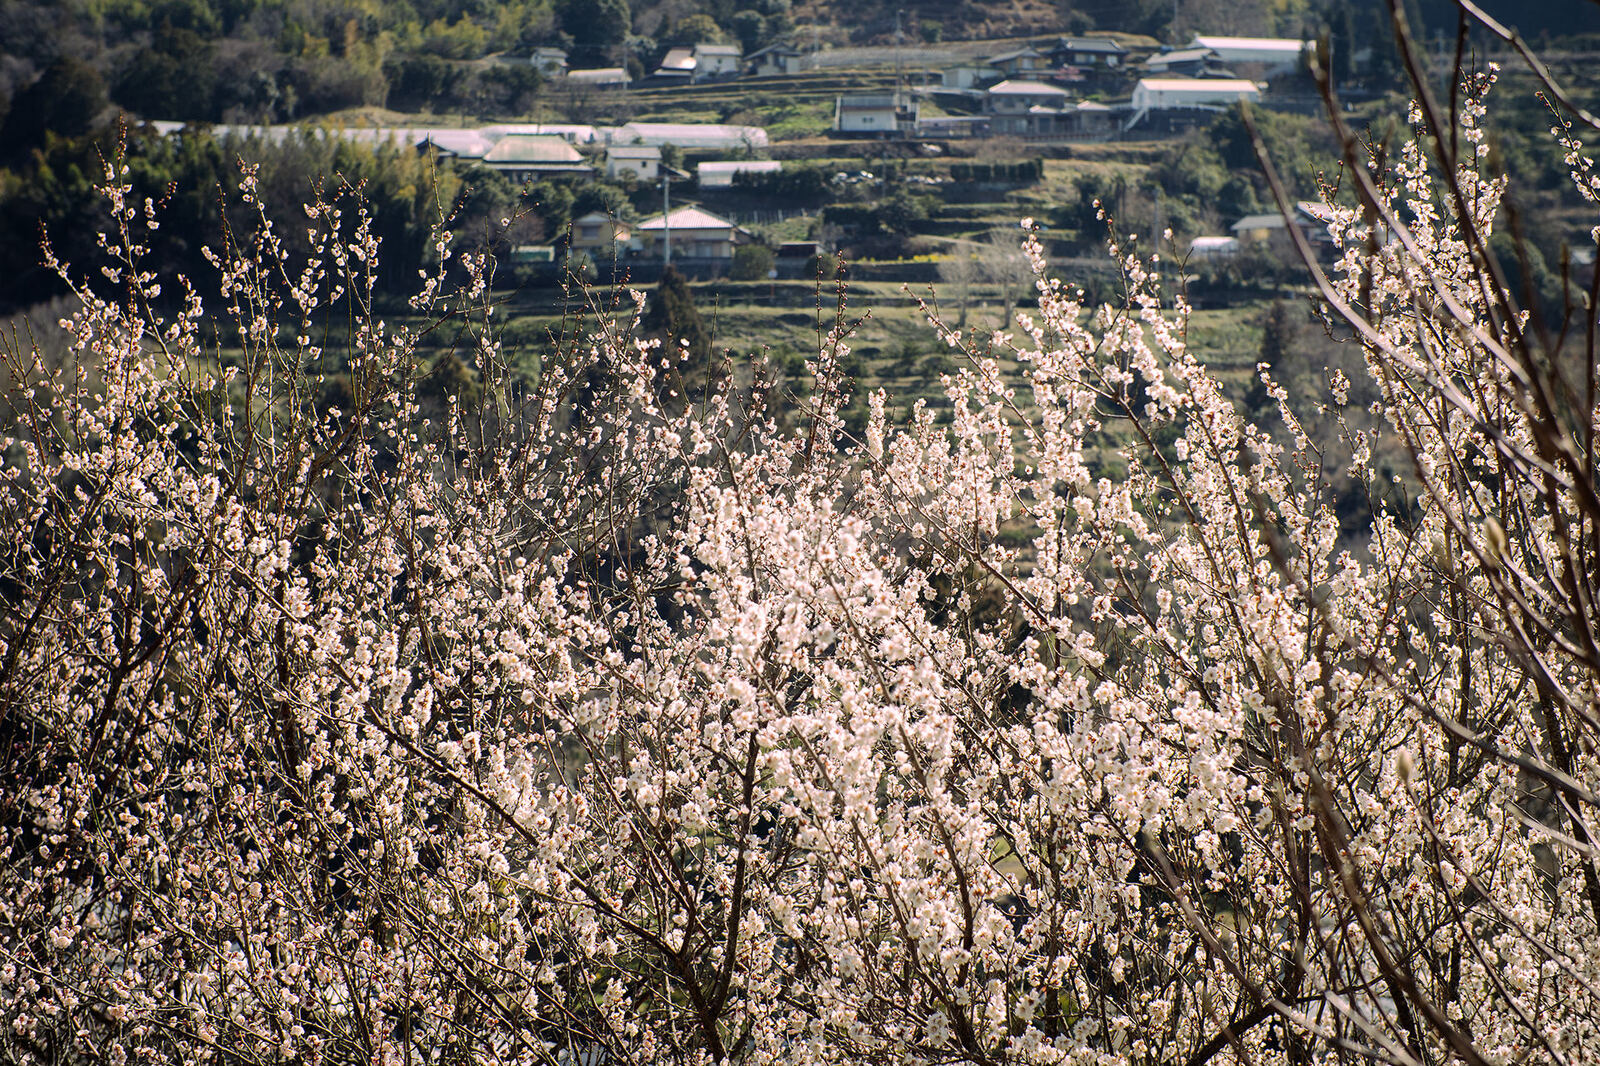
[(522, 157), (694, 233)]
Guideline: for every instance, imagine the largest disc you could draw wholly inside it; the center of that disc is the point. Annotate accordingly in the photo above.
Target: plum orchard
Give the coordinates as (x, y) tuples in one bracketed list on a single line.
[(589, 723)]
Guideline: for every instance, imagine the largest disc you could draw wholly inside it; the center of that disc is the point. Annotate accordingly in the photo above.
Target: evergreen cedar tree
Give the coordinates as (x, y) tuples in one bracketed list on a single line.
[(672, 315), (545, 717)]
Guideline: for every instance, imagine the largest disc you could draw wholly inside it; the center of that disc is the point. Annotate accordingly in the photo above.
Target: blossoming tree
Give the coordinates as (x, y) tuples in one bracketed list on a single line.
[(604, 719)]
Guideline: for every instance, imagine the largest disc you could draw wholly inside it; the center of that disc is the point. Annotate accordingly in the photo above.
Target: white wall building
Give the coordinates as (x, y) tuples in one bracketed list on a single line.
[(643, 161), (716, 61), (1276, 55), (1153, 94), (883, 114)]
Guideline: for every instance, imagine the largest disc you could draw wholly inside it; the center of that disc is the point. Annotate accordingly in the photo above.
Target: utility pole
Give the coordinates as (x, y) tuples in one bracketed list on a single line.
[(898, 84), (666, 215)]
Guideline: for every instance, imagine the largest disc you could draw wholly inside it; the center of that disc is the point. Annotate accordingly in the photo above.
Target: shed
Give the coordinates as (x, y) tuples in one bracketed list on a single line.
[(643, 161)]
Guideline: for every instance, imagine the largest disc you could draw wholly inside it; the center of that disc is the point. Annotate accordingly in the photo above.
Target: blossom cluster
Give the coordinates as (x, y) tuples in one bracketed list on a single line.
[(605, 719)]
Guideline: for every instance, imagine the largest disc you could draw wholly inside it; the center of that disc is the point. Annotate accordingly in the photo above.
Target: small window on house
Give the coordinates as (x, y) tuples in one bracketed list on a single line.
[(589, 232)]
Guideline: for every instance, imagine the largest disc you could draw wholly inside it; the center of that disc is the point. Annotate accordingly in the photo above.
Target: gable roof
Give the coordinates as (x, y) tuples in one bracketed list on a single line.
[(1249, 222), (532, 148), (633, 151), (678, 59), (1088, 44), (687, 218), (718, 50), (572, 132), (1012, 87)]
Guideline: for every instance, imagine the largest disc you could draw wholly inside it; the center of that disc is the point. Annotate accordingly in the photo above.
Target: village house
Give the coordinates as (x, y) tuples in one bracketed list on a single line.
[(967, 75), (1019, 61), (1087, 52), (1012, 97), (1181, 63), (642, 161), (551, 62), (712, 61), (600, 235), (1268, 231), (775, 59), (695, 234), (521, 157), (677, 65), (1024, 108), (876, 114)]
